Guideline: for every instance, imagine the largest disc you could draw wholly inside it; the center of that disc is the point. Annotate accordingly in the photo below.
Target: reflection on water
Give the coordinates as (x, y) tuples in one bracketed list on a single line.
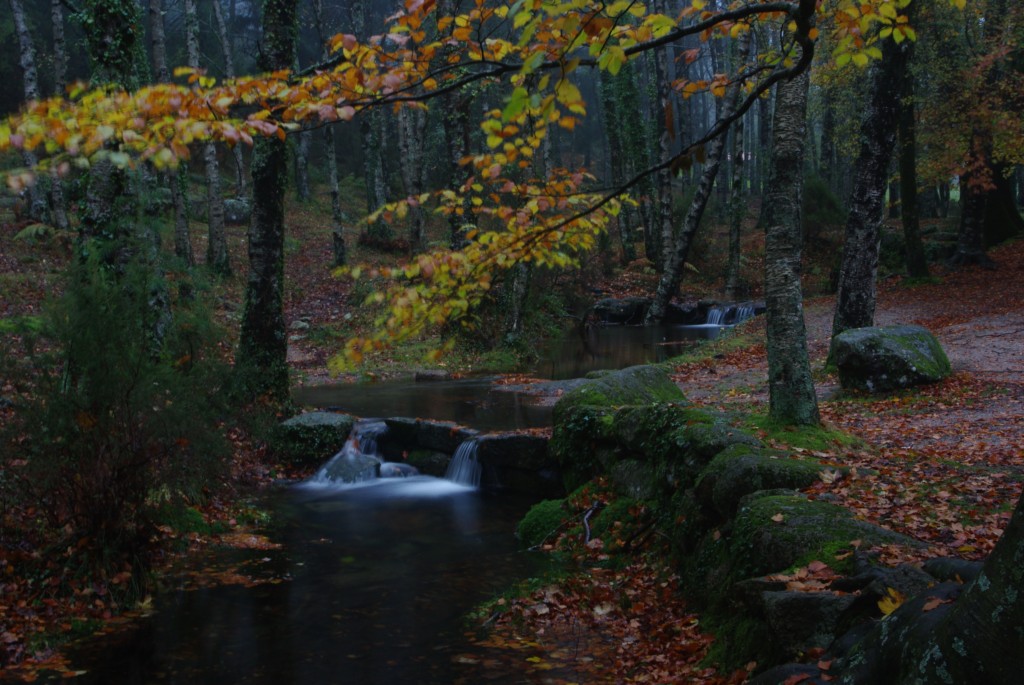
[(380, 578), (473, 401), (616, 347)]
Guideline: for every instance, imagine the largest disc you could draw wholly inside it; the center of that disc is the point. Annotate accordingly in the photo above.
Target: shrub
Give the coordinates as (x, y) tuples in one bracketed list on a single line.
[(115, 407)]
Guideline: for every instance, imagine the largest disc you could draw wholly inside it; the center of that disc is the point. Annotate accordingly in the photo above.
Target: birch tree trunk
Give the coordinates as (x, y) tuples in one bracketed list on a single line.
[(672, 274), (663, 178), (60, 48), (855, 301), (30, 78), (790, 387), (229, 72), (216, 247), (263, 347)]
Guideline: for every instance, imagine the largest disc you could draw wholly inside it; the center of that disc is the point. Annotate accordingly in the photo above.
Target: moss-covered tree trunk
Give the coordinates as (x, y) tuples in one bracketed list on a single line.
[(790, 387), (263, 345), (855, 301), (917, 263)]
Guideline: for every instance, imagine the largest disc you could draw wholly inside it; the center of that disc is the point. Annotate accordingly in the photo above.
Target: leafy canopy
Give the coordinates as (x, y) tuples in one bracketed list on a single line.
[(534, 47)]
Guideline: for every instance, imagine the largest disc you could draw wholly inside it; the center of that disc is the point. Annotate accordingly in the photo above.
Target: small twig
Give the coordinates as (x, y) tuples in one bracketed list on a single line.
[(596, 506)]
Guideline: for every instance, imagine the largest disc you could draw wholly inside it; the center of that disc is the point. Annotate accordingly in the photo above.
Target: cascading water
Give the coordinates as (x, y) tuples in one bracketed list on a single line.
[(729, 315), (359, 460), (465, 468)]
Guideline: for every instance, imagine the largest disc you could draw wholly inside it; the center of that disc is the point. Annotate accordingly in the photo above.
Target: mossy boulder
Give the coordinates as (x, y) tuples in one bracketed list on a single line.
[(429, 462), (886, 358), (776, 531), (634, 385), (741, 469), (583, 441), (542, 522), (310, 439)]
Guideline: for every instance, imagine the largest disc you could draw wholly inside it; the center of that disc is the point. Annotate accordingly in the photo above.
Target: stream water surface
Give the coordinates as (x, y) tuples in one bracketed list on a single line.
[(376, 580)]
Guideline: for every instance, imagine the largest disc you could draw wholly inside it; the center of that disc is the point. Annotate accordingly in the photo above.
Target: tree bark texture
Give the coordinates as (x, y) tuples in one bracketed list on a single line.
[(114, 42), (263, 345), (663, 130), (60, 48), (30, 79), (179, 195), (672, 274), (790, 387), (855, 301), (159, 41)]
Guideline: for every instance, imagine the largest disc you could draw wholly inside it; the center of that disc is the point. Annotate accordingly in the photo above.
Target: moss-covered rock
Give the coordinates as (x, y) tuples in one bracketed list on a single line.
[(741, 469), (634, 385), (581, 444), (542, 522), (885, 358), (774, 532), (310, 439)]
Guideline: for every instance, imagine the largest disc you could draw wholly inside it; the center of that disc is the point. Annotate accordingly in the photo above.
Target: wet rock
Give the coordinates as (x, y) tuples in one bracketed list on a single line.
[(628, 312), (390, 469), (432, 375), (885, 358)]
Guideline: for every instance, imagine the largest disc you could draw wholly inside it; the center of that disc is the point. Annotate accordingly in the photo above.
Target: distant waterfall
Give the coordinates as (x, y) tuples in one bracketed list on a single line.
[(465, 468), (730, 315)]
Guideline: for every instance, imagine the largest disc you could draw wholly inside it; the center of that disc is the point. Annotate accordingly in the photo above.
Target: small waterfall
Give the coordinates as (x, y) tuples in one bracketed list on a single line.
[(729, 315), (358, 460), (716, 316), (465, 468), (743, 312)]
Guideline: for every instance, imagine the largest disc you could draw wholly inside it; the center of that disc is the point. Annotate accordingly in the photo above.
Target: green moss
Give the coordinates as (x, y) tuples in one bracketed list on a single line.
[(739, 639), (812, 438), (542, 522), (741, 470), (631, 386)]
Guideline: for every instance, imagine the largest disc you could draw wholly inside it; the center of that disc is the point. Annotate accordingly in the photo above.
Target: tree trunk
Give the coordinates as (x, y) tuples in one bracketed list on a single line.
[(302, 149), (855, 301), (113, 42), (216, 247), (263, 346), (179, 193), (60, 48), (790, 387), (737, 204), (917, 263), (159, 41), (969, 245), (337, 217), (668, 284), (412, 127), (229, 72), (30, 78), (663, 178)]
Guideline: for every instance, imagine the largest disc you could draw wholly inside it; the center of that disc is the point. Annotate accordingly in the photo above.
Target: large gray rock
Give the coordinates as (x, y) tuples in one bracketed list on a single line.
[(310, 439), (885, 358), (628, 311), (237, 212)]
